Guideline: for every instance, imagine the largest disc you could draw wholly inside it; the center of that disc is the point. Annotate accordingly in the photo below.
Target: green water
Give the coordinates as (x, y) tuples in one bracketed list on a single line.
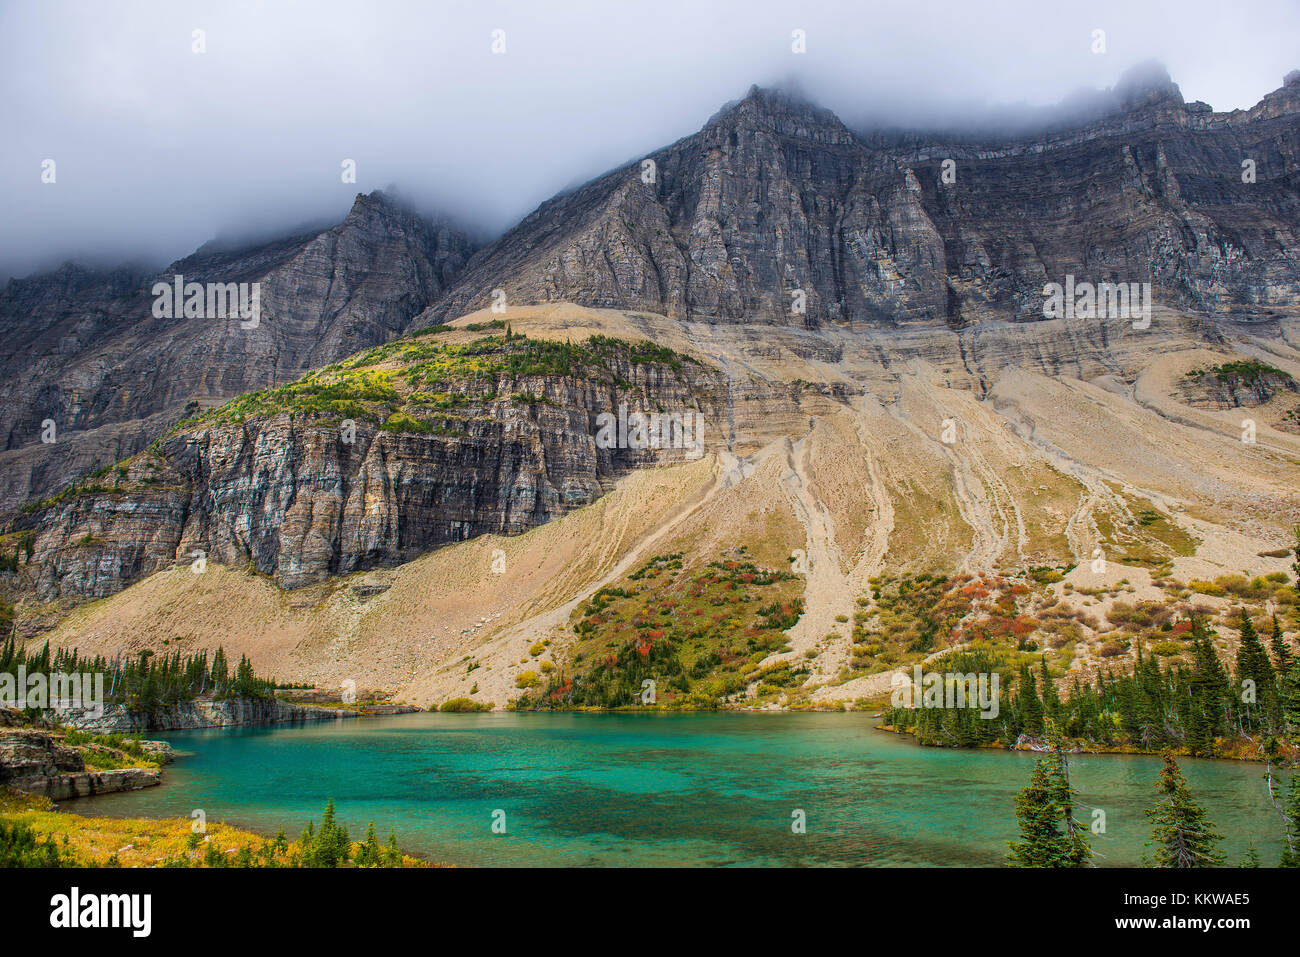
[(709, 789)]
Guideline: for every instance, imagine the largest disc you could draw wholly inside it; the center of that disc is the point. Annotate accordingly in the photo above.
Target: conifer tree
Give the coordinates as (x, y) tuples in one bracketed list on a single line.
[(1045, 812), (1182, 835), (220, 672), (369, 854), (392, 856), (307, 843), (1145, 712), (1288, 678), (1253, 666), (1208, 693), (1291, 824), (1027, 703), (332, 843), (1051, 700), (1280, 650)]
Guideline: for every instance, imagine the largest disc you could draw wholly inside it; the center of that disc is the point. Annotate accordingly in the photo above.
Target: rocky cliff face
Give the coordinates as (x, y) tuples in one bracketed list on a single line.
[(86, 352), (1236, 385), (35, 762), (450, 442), (775, 196), (200, 713), (772, 204)]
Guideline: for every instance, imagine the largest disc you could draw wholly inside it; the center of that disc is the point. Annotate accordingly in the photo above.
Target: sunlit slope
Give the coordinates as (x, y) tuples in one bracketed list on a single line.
[(843, 456)]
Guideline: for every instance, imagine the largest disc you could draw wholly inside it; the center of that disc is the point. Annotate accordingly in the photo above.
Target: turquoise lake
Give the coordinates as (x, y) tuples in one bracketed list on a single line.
[(650, 790)]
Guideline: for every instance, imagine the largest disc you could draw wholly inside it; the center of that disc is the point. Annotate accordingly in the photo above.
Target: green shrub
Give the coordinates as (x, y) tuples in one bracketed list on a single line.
[(463, 706)]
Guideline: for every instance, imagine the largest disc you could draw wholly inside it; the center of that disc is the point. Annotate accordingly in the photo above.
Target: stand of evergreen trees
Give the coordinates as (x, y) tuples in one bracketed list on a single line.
[(1156, 706), (1182, 834), (329, 846), (146, 681)]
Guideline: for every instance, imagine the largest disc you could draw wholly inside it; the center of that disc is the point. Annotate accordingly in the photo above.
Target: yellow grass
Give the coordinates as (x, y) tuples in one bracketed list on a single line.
[(137, 842)]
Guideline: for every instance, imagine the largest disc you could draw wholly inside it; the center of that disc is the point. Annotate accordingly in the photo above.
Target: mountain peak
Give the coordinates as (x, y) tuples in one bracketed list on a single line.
[(783, 110), (1147, 82), (376, 201)]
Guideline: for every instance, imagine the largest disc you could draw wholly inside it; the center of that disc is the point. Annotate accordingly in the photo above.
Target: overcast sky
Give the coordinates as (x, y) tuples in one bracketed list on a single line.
[(158, 148)]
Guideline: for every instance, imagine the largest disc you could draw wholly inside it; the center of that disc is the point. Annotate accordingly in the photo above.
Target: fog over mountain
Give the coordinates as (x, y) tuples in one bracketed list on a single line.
[(929, 374), (159, 148)]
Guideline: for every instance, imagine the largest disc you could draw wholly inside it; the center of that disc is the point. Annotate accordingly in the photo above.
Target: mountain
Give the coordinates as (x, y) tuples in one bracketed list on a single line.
[(453, 436), (850, 481), (415, 495), (86, 351), (773, 200), (774, 195)]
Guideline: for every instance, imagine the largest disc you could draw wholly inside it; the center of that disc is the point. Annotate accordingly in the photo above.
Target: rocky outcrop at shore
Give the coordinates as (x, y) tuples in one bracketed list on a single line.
[(200, 713), (38, 763)]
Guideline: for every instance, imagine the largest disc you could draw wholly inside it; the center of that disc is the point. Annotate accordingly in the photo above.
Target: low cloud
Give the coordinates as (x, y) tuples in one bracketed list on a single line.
[(159, 148)]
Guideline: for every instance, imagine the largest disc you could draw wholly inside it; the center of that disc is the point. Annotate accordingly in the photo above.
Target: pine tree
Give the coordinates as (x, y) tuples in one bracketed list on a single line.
[(1208, 693), (392, 856), (1253, 666), (1288, 678), (1045, 812), (1146, 709), (1291, 852), (1280, 650), (1182, 835), (369, 854), (332, 845), (308, 845), (220, 672), (1051, 700), (1028, 706)]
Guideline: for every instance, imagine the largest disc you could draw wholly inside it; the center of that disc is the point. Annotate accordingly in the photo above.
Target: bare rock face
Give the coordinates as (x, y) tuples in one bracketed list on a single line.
[(774, 214), (771, 198), (85, 352), (35, 762), (290, 496), (24, 753), (90, 783), (775, 197), (198, 713), (1243, 385)]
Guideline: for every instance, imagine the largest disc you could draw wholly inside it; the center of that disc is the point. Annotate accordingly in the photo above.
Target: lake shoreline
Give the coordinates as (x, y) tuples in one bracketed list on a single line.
[(1288, 753), (696, 788)]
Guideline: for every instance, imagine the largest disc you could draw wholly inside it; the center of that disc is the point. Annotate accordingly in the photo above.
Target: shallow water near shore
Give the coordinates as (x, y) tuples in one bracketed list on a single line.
[(665, 789)]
